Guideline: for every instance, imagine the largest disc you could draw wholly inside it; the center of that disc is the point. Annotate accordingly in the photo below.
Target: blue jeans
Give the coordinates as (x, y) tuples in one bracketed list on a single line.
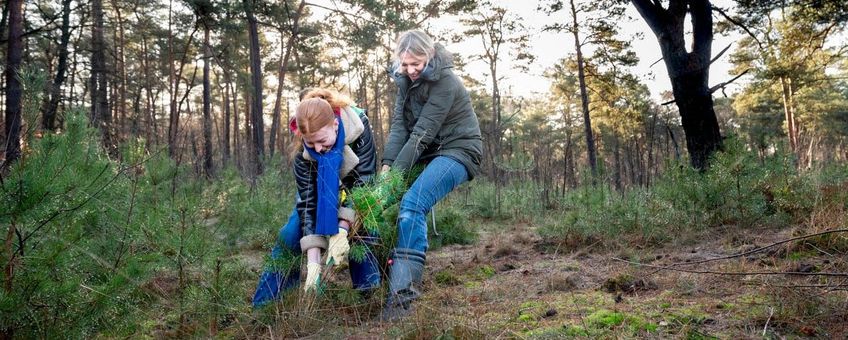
[(439, 178), (364, 275)]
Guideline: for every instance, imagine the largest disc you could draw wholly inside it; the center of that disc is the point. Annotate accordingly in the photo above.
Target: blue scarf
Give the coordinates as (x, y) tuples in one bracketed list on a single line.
[(329, 163)]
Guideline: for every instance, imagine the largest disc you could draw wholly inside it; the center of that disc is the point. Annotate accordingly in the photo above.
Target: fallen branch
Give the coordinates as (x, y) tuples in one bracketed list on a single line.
[(761, 248), (810, 286), (729, 273)]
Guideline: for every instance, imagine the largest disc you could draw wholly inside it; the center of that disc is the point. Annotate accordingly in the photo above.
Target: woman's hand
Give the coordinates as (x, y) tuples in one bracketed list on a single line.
[(338, 249), (385, 169), (313, 269), (313, 276)]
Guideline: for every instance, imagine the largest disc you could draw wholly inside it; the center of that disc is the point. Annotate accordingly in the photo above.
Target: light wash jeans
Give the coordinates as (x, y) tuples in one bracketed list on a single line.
[(439, 178)]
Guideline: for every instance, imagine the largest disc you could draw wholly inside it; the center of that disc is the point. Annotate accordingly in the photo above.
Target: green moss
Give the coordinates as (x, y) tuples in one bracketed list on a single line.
[(605, 319), (557, 332), (799, 255), (526, 317), (447, 278), (531, 304)]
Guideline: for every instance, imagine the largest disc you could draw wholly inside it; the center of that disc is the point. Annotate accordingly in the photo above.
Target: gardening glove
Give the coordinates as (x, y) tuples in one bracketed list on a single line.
[(313, 275), (338, 249)]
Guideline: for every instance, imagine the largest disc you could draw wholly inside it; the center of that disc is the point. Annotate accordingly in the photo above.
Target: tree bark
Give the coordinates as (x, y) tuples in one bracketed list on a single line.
[(284, 64), (584, 97), (173, 84), (617, 164), (101, 114), (14, 54), (225, 135), (150, 102), (49, 121), (121, 68), (176, 101), (207, 106), (256, 82), (789, 112), (688, 71), (236, 140), (73, 99)]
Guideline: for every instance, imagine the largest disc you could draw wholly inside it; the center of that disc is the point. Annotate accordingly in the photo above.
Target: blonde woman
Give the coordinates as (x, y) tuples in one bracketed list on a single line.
[(433, 124)]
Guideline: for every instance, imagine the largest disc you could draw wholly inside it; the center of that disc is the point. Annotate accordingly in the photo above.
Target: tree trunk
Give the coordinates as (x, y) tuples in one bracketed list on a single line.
[(275, 115), (173, 84), (14, 54), (584, 97), (73, 99), (688, 71), (284, 64), (121, 67), (49, 121), (618, 166), (207, 106), (256, 82), (789, 112), (249, 159), (5, 15), (176, 101), (673, 142), (150, 102), (236, 140), (651, 135), (225, 138), (378, 119), (496, 123), (100, 112)]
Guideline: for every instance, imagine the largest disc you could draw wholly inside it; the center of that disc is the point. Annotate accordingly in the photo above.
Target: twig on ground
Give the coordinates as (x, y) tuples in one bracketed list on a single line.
[(771, 313), (759, 249), (729, 273)]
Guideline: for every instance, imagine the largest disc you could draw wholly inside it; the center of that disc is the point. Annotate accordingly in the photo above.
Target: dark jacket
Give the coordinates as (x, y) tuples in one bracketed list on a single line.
[(433, 117), (357, 168)]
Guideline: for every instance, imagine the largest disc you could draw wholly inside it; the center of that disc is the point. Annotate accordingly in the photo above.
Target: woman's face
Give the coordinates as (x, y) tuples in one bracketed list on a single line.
[(412, 65), (323, 139)]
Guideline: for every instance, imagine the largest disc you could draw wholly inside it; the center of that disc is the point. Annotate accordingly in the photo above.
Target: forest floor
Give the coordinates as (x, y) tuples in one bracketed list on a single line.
[(512, 284)]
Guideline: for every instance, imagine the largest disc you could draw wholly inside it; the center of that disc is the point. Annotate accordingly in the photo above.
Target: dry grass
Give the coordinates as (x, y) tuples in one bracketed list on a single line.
[(513, 284)]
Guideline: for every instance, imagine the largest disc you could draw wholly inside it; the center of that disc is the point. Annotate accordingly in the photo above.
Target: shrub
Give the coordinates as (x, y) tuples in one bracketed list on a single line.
[(738, 190)]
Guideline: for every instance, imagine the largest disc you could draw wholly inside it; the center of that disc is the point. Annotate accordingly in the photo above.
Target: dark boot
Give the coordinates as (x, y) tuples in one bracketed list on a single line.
[(405, 278)]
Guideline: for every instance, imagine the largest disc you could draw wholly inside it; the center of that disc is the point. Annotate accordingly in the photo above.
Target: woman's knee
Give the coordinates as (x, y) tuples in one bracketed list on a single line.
[(413, 203)]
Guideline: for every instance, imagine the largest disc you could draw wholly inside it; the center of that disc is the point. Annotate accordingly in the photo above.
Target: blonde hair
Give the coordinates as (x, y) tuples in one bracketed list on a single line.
[(415, 42)]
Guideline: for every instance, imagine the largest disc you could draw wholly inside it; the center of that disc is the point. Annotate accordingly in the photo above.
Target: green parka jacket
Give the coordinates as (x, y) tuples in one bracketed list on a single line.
[(433, 117)]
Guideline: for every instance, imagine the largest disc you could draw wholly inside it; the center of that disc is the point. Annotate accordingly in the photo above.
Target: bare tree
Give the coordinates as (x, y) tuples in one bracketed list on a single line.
[(689, 71)]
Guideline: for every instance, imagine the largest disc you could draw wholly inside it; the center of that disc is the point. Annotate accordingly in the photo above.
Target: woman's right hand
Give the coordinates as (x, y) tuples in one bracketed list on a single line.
[(313, 269), (385, 169), (313, 277)]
